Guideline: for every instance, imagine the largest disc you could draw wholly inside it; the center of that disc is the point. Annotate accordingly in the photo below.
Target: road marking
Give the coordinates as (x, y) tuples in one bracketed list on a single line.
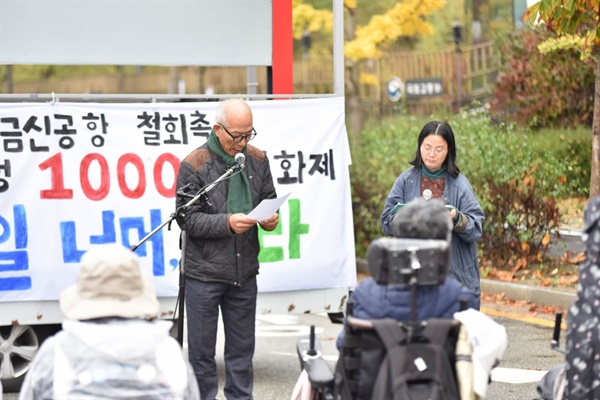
[(517, 375), (519, 317), (325, 357), (277, 319), (285, 330)]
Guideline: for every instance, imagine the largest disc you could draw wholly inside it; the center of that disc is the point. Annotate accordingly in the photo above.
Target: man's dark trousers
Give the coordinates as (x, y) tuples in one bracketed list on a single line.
[(238, 308)]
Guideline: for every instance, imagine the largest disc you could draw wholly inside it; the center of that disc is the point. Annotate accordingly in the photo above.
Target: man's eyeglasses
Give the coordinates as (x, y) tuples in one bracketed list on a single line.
[(239, 138)]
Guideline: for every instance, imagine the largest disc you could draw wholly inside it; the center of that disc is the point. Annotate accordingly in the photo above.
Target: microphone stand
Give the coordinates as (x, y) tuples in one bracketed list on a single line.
[(179, 215)]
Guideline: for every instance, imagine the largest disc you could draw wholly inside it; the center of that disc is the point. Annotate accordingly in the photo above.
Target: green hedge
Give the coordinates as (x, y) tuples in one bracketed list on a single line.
[(516, 179)]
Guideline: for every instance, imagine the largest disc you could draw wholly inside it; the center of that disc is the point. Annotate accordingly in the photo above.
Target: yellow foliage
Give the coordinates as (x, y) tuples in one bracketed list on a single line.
[(350, 4), (567, 17), (565, 42), (403, 19), (368, 79), (305, 16)]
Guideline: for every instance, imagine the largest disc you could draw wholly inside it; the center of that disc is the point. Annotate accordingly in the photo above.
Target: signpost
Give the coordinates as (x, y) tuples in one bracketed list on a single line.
[(416, 88), (395, 88)]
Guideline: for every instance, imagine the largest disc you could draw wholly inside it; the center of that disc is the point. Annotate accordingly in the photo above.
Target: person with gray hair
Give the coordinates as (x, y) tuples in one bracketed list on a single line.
[(419, 219), (423, 219), (112, 346), (221, 256)]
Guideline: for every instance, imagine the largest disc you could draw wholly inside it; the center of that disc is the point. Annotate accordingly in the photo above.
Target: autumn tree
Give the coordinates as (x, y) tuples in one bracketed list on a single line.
[(577, 24), (404, 19)]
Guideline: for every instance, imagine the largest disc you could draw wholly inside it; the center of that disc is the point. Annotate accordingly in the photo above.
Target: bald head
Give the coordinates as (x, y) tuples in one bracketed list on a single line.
[(233, 109)]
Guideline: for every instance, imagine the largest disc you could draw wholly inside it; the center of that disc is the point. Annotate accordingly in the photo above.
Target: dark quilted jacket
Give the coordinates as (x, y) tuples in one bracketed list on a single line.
[(213, 253)]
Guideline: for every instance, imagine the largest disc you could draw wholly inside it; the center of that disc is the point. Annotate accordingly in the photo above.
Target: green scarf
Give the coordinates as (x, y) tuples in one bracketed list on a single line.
[(239, 199), (437, 174)]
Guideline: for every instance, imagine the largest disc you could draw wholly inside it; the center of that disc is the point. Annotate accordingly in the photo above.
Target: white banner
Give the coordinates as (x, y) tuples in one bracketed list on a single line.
[(73, 175)]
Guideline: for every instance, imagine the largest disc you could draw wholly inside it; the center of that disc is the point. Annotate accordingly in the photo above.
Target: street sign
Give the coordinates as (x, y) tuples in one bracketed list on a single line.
[(395, 87), (416, 88)]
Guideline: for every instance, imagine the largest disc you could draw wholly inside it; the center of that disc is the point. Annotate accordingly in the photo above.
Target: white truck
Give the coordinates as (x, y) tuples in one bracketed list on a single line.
[(117, 186)]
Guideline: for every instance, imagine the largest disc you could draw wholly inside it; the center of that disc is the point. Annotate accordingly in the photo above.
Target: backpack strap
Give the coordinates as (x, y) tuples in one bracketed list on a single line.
[(392, 335), (437, 330), (390, 332)]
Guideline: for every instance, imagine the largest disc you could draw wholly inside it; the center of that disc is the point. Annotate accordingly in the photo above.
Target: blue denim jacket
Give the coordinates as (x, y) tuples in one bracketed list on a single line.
[(458, 193)]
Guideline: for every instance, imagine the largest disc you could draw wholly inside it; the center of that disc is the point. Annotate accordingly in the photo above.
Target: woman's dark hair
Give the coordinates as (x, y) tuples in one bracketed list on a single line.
[(441, 129)]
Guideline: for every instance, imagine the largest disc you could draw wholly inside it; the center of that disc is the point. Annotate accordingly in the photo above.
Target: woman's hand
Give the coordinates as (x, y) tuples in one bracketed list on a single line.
[(453, 212)]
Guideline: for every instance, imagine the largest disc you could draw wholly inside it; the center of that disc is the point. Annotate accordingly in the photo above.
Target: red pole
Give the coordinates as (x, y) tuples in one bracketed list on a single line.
[(283, 48)]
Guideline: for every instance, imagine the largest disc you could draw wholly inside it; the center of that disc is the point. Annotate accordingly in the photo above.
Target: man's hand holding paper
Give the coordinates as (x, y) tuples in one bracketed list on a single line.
[(264, 211), (240, 223), (264, 214), (270, 223)]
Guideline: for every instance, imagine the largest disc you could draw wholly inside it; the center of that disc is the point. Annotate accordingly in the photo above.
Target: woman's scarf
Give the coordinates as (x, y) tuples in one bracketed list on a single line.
[(239, 199), (433, 175)]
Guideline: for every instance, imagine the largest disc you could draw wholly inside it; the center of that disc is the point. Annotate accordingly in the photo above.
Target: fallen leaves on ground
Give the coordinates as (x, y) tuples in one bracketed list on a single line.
[(573, 259), (568, 280), (562, 273), (520, 306), (505, 276)]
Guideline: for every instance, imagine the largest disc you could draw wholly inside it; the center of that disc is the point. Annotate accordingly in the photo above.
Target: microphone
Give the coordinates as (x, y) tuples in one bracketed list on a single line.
[(240, 158), (182, 190), (427, 194)]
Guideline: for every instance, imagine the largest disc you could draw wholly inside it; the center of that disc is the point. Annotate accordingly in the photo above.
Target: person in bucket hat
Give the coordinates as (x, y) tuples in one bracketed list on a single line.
[(112, 345), (110, 284)]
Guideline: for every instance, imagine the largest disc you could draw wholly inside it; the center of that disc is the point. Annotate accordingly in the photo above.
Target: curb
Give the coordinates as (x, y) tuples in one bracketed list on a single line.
[(514, 291), (538, 295)]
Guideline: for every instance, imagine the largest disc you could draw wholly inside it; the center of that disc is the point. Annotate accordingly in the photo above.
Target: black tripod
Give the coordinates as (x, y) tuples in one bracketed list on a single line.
[(179, 215)]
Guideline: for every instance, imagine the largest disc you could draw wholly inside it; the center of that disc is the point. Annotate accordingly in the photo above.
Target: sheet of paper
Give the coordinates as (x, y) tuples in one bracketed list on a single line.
[(267, 208), (397, 207)]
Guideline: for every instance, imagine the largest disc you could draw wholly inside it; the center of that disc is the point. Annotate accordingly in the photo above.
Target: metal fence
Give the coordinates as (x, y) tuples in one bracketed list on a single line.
[(312, 75)]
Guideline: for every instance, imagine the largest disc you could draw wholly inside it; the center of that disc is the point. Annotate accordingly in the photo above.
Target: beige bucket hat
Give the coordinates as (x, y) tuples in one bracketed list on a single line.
[(110, 284)]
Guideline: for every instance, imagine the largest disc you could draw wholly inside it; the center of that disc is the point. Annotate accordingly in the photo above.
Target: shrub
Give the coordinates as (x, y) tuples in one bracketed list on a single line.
[(534, 89), (516, 183), (516, 186), (574, 148)]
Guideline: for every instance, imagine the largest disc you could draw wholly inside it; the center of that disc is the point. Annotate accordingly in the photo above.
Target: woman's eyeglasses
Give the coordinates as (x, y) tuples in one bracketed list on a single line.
[(436, 150)]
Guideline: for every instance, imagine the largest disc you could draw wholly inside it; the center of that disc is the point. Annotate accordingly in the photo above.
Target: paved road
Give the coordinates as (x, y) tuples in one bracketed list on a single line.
[(277, 367), (527, 358)]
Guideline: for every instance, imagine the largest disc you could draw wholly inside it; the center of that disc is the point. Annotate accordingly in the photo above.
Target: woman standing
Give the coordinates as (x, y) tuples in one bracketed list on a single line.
[(434, 174)]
